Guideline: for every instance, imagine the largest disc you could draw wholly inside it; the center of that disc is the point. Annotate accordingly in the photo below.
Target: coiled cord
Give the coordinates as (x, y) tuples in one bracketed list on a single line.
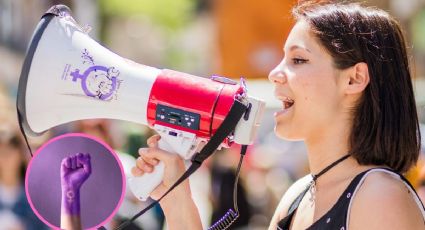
[(230, 217), (225, 221)]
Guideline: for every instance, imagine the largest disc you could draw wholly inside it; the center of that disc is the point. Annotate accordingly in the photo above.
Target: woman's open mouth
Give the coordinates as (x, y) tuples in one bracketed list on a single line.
[(287, 103)]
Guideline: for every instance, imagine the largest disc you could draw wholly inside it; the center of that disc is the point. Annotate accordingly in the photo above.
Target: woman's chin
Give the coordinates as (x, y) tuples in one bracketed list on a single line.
[(287, 135)]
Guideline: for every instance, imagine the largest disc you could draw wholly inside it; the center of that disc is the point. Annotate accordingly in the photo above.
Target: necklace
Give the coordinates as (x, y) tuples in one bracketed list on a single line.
[(316, 176)]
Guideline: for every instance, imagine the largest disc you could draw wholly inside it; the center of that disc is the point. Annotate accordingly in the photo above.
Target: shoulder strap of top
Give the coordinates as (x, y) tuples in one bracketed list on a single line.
[(285, 222)]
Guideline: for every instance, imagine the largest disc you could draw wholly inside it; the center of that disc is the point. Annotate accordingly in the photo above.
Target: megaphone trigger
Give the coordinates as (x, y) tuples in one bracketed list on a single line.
[(142, 186)]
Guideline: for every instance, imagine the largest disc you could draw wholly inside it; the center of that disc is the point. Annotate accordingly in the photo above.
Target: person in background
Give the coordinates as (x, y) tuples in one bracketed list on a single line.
[(15, 211)]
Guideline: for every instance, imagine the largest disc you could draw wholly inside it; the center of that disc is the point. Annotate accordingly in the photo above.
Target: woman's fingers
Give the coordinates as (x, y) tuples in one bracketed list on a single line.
[(143, 152), (147, 160), (154, 152), (141, 167), (144, 165), (153, 141), (135, 171), (151, 156)]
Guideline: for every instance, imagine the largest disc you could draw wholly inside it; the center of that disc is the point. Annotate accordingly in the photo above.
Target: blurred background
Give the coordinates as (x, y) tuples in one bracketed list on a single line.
[(237, 38)]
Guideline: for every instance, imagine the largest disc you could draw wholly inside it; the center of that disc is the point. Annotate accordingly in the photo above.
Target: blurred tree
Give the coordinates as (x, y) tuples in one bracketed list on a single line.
[(173, 14), (149, 32), (418, 39)]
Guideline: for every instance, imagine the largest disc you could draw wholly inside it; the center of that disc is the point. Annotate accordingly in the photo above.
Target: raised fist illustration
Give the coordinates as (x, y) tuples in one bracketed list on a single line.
[(75, 170)]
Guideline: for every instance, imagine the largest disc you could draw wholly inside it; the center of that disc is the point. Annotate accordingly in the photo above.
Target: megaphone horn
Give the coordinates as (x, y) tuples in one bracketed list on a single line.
[(67, 76)]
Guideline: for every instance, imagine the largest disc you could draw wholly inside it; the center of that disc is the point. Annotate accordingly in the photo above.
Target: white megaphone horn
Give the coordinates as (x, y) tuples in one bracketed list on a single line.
[(67, 76)]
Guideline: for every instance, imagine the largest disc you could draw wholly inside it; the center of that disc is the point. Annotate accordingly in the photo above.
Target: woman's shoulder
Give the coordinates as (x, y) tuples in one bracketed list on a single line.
[(290, 195), (383, 201)]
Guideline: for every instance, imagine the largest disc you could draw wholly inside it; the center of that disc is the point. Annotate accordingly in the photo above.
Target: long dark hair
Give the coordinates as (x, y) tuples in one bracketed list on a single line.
[(385, 129)]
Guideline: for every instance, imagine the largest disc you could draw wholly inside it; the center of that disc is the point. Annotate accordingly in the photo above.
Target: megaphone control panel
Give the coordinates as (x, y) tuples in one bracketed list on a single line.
[(177, 117)]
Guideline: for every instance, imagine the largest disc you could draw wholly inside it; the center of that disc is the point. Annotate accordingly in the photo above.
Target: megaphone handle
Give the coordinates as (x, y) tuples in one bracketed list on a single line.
[(142, 186), (162, 144)]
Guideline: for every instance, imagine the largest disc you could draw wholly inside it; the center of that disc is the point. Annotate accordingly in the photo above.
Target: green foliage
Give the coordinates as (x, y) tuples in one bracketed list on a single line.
[(418, 31), (172, 14)]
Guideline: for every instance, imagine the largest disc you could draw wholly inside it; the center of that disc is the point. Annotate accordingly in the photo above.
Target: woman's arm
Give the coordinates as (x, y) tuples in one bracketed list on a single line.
[(75, 170), (179, 209), (70, 210)]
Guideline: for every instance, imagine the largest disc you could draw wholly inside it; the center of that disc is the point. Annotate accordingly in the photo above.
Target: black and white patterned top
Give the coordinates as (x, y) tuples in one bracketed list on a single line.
[(338, 216)]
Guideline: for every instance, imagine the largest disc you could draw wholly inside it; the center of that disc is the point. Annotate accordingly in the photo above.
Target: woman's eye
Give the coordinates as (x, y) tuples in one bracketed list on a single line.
[(299, 61)]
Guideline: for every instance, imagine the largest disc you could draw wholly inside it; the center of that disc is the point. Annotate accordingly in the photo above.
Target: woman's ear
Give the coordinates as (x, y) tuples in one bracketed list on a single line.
[(358, 78)]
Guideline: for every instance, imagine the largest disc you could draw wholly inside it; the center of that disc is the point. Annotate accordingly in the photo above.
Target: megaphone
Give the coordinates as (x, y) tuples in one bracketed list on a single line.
[(67, 76)]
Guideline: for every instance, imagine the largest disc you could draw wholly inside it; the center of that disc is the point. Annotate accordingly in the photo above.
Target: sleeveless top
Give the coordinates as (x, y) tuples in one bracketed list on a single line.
[(338, 216)]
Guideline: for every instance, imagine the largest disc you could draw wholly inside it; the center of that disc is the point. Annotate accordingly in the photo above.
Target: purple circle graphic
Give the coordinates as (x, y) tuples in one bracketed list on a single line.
[(100, 195), (102, 70)]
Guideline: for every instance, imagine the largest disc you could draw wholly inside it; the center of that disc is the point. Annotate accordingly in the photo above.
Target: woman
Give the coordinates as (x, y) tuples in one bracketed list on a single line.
[(346, 91)]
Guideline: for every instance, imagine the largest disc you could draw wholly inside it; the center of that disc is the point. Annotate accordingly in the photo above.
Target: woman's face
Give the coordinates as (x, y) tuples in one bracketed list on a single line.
[(306, 83)]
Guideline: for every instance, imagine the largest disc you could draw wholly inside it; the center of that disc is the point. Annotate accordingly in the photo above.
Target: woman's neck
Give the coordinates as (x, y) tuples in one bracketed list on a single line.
[(327, 146)]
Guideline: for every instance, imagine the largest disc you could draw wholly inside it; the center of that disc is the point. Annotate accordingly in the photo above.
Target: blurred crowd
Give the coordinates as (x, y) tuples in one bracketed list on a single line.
[(270, 167), (15, 212)]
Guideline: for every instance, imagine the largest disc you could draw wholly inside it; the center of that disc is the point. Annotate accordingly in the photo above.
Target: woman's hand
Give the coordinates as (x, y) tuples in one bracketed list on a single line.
[(174, 166), (179, 209)]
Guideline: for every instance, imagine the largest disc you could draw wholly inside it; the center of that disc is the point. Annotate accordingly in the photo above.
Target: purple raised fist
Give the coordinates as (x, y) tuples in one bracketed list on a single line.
[(75, 169)]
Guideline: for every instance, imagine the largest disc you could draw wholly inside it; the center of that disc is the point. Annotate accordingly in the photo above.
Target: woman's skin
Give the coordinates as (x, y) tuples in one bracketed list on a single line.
[(322, 99), (75, 170)]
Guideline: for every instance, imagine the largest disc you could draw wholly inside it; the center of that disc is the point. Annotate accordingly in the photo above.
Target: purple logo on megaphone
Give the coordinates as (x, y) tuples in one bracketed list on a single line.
[(97, 81)]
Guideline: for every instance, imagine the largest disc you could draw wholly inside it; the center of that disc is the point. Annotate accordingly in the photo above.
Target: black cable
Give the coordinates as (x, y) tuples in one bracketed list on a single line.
[(238, 172), (232, 214), (23, 132)]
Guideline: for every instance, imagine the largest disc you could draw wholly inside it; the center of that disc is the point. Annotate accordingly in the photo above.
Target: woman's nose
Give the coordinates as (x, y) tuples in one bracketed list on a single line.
[(277, 76)]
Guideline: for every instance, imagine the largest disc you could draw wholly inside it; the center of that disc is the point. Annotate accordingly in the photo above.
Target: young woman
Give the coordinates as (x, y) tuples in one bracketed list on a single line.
[(346, 91)]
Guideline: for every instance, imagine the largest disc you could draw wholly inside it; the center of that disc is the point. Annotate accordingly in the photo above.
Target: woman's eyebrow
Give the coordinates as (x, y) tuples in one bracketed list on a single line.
[(294, 47)]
